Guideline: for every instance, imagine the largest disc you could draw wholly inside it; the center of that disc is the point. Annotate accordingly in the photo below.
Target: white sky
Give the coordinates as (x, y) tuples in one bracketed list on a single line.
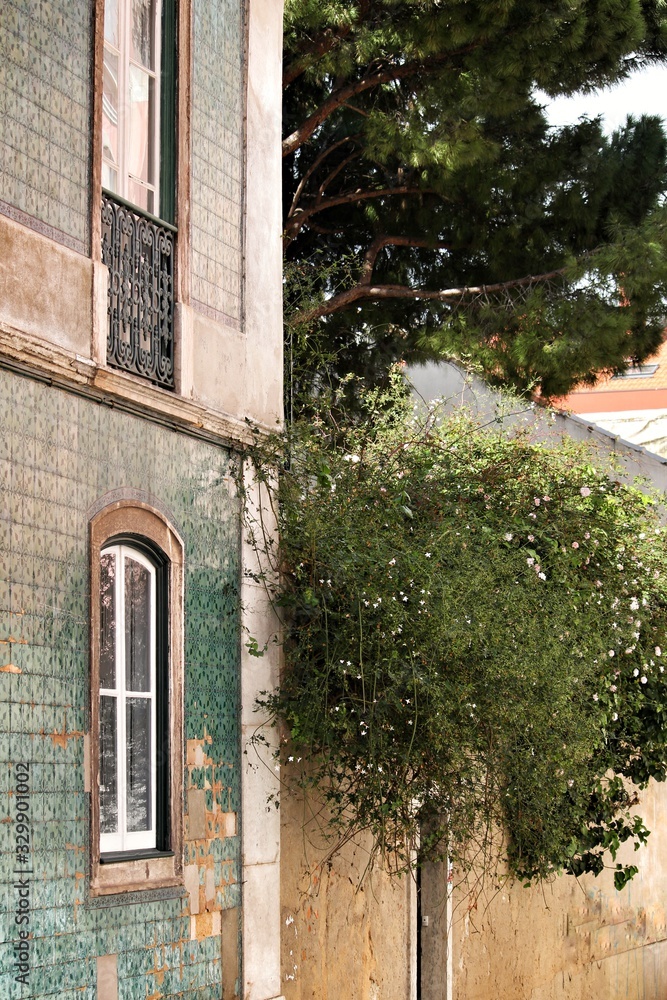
[(643, 93)]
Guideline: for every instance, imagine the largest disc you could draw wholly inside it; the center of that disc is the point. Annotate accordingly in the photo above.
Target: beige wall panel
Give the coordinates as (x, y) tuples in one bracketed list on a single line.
[(46, 290), (342, 939), (263, 300), (572, 939), (218, 365)]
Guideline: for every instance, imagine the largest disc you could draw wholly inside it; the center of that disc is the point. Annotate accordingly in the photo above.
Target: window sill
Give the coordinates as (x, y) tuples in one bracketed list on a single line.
[(144, 873)]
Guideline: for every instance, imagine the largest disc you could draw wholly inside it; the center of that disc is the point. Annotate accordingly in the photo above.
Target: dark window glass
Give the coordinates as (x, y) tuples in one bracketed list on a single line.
[(108, 621), (138, 764), (137, 626), (108, 766)]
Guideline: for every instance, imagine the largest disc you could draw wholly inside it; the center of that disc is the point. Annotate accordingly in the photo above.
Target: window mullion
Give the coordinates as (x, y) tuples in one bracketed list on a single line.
[(157, 106), (153, 716), (124, 30), (122, 710)]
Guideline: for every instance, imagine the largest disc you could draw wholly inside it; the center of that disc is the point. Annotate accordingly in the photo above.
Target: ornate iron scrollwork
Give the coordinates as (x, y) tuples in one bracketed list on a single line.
[(139, 253)]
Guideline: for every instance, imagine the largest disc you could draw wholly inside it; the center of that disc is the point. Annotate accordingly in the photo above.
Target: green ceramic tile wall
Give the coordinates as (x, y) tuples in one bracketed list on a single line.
[(217, 156), (59, 454), (45, 114)]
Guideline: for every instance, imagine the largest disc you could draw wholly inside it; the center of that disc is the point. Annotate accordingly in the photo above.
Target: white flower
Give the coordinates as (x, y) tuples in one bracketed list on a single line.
[(351, 458), (542, 576), (634, 604), (614, 717), (531, 538), (658, 651), (575, 545), (508, 536), (644, 679), (570, 783), (537, 501), (595, 697), (612, 653), (530, 561), (392, 562), (585, 491), (635, 673), (428, 554)]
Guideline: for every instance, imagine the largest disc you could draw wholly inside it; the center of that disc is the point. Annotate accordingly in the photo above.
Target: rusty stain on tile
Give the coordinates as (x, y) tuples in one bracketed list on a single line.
[(61, 739)]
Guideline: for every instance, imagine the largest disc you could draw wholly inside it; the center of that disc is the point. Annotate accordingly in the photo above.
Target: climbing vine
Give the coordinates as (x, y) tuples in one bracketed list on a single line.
[(473, 635)]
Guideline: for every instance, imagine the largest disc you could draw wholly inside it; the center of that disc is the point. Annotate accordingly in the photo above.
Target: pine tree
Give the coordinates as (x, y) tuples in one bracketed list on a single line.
[(429, 208)]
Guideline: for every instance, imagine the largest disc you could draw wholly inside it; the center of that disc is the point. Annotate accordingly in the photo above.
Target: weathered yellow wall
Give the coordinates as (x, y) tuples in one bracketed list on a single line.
[(341, 940), (572, 939)]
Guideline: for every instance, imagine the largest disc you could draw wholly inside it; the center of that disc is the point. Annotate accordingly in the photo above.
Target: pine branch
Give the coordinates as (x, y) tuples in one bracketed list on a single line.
[(364, 290), (298, 218), (340, 97)]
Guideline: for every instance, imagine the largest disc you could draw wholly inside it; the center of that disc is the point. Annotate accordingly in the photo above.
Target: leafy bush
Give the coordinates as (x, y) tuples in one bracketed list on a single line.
[(472, 640)]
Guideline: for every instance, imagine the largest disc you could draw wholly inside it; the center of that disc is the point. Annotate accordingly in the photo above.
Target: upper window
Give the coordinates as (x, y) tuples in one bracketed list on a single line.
[(138, 107), (136, 699)]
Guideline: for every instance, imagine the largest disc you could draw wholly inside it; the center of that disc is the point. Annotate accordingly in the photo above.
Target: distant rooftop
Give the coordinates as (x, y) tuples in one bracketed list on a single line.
[(641, 387)]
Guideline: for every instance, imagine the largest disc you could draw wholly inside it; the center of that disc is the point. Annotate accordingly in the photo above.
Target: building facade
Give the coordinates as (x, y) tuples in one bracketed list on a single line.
[(632, 406), (140, 341)]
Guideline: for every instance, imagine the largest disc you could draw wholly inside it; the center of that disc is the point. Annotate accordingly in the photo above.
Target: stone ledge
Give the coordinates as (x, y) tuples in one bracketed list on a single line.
[(36, 358)]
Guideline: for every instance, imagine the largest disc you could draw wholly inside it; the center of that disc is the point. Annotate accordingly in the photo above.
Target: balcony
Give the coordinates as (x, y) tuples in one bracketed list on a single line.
[(139, 251)]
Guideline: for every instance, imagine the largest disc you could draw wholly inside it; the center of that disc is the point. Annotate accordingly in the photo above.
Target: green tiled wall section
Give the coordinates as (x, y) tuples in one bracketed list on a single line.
[(59, 454), (45, 51), (217, 156)]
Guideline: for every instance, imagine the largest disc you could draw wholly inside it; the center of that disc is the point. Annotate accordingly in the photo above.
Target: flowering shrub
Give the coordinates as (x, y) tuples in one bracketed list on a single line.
[(473, 640)]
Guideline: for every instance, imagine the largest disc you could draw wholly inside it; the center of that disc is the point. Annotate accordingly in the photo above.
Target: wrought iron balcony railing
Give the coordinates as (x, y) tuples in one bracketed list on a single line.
[(139, 252)]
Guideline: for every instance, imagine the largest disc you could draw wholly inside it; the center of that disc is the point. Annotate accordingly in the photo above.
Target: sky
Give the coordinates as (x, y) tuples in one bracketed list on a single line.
[(644, 92)]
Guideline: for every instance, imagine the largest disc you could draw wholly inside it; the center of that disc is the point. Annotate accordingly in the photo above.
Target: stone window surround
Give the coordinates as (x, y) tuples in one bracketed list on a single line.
[(135, 518)]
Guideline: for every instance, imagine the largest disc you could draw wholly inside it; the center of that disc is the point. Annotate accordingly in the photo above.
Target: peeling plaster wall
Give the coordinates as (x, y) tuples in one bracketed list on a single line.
[(575, 939), (60, 454), (344, 936)]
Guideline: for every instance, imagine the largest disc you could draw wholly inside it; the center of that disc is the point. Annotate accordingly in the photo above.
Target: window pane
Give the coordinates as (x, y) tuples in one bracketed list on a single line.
[(108, 621), (138, 721), (108, 766), (141, 152), (111, 21), (142, 197), (137, 626), (143, 32), (110, 108), (109, 178)]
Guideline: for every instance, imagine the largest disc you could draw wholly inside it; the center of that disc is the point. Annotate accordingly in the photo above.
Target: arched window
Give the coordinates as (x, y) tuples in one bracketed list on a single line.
[(136, 701), (130, 680)]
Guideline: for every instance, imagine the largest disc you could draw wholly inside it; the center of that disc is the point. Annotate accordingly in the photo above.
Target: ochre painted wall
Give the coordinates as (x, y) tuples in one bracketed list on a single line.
[(573, 939)]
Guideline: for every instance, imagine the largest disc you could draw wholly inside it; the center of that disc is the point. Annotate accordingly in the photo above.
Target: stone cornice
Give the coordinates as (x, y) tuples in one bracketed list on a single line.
[(48, 363)]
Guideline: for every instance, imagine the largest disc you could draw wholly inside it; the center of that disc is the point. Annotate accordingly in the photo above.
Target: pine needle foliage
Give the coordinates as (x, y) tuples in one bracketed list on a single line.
[(417, 150), (473, 636)]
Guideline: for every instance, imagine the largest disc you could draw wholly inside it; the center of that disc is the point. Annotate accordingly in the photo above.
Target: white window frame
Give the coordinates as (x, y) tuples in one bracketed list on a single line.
[(123, 51), (124, 840)]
